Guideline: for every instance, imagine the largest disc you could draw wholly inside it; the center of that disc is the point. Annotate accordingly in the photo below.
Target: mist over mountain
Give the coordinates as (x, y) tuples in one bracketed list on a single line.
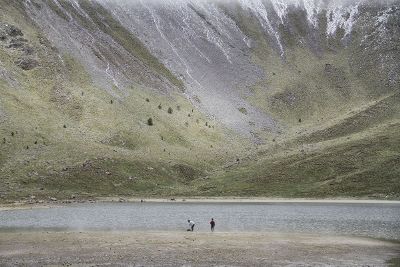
[(274, 98)]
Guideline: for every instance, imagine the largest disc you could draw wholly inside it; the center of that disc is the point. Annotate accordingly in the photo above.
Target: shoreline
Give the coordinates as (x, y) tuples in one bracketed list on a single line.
[(246, 200), (194, 249), (210, 200)]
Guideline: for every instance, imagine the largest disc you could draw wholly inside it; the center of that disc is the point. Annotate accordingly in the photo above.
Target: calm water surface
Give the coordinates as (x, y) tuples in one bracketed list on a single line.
[(370, 220)]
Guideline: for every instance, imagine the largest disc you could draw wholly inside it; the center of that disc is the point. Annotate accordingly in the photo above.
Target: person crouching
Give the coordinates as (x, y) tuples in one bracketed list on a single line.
[(191, 225)]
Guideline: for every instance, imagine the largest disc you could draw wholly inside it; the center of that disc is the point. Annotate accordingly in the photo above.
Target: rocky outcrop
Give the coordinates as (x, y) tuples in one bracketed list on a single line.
[(9, 31), (27, 63), (11, 38)]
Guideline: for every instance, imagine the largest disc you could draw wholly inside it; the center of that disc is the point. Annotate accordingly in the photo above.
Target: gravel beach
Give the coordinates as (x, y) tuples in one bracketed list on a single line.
[(39, 248)]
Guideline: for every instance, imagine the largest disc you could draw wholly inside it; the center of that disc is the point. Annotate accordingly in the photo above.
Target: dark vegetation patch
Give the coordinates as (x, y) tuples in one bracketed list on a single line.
[(187, 172), (243, 110)]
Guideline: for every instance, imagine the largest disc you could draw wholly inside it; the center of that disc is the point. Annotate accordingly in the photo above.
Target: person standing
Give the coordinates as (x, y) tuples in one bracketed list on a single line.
[(191, 225), (212, 223)]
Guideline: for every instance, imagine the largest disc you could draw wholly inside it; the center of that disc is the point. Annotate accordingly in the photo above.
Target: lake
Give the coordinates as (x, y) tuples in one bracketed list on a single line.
[(369, 220)]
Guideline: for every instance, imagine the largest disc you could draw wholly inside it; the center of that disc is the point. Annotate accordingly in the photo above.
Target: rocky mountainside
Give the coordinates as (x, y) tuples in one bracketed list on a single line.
[(296, 98)]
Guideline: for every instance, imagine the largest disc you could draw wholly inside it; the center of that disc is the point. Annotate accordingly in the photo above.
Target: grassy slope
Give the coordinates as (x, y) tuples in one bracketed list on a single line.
[(347, 142), (106, 147), (346, 145), (364, 165)]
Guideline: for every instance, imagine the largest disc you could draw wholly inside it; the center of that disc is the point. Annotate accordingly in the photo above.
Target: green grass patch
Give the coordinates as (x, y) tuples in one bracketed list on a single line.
[(368, 167)]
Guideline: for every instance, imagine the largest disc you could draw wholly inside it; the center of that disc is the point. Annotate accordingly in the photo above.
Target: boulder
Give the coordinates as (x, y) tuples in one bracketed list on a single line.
[(13, 31), (26, 63), (329, 68), (3, 36)]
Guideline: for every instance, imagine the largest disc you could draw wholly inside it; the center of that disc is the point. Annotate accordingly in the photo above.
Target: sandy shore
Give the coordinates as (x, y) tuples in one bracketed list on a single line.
[(51, 204), (193, 249)]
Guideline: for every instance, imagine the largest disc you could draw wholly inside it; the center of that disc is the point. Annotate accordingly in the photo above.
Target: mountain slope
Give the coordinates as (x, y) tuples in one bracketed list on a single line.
[(272, 98)]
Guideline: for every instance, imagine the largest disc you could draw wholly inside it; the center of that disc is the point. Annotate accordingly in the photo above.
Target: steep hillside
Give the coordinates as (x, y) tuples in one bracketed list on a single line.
[(129, 98)]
